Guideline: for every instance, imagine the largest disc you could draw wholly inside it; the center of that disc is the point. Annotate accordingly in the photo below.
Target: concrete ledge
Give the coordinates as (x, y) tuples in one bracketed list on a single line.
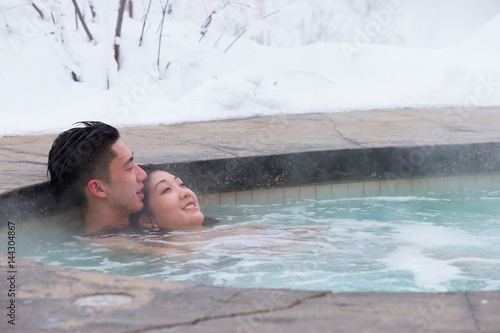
[(55, 299)]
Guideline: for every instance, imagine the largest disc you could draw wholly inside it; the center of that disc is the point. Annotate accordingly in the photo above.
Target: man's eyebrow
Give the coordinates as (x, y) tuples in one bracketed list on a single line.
[(161, 181), (129, 160)]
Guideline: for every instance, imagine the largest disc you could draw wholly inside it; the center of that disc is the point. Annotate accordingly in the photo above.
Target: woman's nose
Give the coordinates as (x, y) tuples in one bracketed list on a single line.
[(185, 193)]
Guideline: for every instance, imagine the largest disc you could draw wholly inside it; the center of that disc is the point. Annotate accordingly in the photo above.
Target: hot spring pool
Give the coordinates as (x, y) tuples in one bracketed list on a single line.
[(426, 242)]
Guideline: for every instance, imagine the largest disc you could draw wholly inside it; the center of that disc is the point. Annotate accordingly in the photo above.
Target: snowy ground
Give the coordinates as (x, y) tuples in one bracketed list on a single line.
[(258, 57)]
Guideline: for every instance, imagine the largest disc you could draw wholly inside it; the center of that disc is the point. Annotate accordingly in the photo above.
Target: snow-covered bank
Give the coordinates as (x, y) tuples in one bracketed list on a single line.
[(291, 57)]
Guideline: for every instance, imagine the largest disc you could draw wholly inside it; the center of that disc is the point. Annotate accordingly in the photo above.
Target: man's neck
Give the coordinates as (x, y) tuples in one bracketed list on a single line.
[(96, 219)]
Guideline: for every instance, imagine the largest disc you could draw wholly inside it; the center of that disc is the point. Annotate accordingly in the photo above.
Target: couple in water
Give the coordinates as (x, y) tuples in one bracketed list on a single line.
[(90, 166)]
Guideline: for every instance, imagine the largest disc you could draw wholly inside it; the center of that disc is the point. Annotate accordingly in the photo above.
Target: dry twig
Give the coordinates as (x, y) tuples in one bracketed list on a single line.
[(80, 16), (164, 10), (118, 30), (144, 23), (38, 10)]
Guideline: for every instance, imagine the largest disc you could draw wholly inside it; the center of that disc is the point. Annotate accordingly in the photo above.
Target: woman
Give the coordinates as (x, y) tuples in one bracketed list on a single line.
[(168, 204)]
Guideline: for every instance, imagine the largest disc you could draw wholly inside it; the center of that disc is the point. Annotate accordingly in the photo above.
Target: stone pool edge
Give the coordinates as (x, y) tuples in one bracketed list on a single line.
[(47, 299)]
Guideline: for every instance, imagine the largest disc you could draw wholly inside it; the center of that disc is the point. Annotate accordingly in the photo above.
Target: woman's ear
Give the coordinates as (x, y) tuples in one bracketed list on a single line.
[(96, 188)]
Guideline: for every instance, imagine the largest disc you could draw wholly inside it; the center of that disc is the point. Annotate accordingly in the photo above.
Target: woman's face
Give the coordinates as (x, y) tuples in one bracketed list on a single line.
[(172, 203)]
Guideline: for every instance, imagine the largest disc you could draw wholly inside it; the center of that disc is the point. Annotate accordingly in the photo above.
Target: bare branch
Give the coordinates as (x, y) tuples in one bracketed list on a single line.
[(270, 14), (220, 36), (5, 19), (164, 10), (130, 9), (208, 20), (118, 30), (206, 24), (92, 9), (38, 10), (144, 23), (61, 48), (234, 41), (80, 16), (241, 34), (76, 19)]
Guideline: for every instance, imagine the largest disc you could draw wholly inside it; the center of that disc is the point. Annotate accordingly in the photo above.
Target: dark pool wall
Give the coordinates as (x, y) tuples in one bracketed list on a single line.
[(236, 174), (313, 167)]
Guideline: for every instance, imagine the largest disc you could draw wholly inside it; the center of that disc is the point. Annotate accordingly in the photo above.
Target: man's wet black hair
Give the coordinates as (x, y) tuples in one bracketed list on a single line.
[(79, 155)]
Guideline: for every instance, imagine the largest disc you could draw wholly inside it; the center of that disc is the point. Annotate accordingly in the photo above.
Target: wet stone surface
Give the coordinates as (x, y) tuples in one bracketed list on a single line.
[(58, 299)]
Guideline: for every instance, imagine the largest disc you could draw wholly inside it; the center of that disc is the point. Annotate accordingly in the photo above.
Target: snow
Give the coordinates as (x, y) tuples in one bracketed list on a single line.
[(257, 58)]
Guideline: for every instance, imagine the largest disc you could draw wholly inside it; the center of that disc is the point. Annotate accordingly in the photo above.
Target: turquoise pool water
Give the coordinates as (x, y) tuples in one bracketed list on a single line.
[(425, 242)]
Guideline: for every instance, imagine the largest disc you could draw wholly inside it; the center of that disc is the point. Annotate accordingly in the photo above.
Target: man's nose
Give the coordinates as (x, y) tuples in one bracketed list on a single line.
[(141, 174)]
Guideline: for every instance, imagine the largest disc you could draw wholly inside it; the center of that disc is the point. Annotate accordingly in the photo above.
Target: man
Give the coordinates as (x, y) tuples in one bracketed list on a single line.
[(92, 167)]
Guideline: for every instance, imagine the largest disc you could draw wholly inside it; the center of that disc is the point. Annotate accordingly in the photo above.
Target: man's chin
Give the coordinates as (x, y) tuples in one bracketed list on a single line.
[(138, 208)]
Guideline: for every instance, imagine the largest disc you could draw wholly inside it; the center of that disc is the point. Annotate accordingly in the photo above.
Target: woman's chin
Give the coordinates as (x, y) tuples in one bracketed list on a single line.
[(197, 220)]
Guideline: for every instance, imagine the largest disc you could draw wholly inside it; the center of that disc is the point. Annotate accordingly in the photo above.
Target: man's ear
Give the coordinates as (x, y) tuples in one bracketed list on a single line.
[(96, 188)]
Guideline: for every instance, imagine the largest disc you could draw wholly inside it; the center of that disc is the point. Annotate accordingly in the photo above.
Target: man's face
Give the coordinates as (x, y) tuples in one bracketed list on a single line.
[(125, 184)]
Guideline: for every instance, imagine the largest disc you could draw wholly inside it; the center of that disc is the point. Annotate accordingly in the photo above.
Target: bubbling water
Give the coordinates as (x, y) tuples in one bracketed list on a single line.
[(426, 242)]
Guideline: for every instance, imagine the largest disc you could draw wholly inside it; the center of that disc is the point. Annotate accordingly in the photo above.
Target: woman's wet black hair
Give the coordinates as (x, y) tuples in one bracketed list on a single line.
[(79, 155)]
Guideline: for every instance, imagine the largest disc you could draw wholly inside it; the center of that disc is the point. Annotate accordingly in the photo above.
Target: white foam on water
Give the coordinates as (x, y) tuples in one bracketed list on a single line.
[(428, 273)]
